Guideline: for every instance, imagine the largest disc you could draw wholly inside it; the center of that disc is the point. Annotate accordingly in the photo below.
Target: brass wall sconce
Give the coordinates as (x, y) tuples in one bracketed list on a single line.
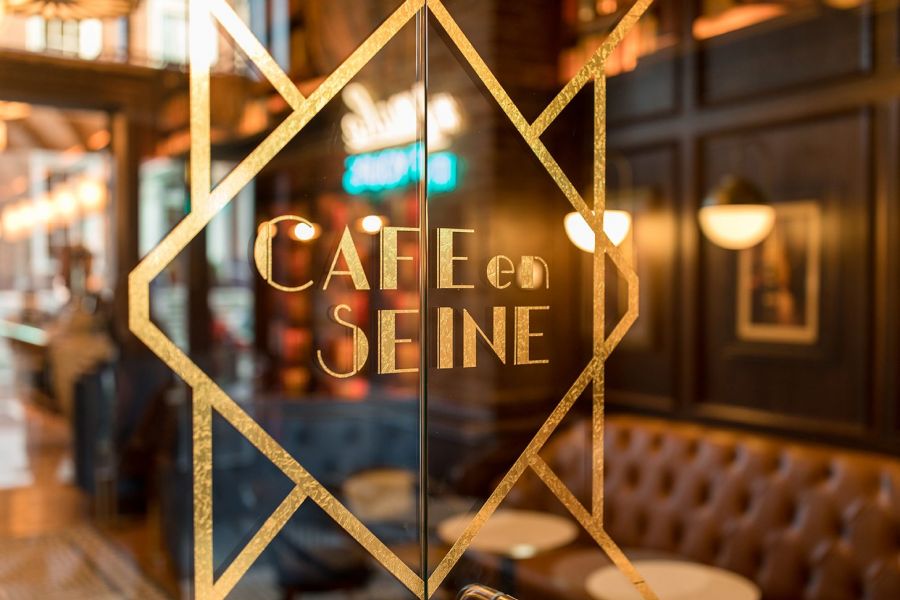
[(617, 223), (735, 215)]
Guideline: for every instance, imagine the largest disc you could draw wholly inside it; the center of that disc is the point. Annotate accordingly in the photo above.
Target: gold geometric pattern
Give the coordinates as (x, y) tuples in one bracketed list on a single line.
[(206, 202)]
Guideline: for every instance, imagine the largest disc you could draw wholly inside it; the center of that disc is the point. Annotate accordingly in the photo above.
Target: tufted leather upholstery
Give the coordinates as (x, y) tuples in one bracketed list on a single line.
[(804, 522)]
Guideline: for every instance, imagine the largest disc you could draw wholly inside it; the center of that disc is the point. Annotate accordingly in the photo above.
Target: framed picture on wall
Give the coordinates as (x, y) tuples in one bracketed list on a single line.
[(779, 280)]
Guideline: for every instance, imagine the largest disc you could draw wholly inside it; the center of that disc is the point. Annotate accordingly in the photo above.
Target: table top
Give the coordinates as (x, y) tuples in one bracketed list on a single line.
[(512, 533), (382, 495), (672, 580)]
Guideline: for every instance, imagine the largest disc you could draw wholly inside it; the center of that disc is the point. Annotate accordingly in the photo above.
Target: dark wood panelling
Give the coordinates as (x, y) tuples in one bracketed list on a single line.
[(896, 32), (889, 174), (643, 365), (647, 92), (788, 52), (828, 112), (62, 82), (825, 160)]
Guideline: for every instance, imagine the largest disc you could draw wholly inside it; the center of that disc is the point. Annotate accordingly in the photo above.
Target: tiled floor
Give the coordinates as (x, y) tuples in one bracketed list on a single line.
[(40, 508), (35, 495)]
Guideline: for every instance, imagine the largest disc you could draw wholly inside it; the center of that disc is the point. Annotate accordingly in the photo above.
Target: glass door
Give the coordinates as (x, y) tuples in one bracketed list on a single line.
[(391, 299)]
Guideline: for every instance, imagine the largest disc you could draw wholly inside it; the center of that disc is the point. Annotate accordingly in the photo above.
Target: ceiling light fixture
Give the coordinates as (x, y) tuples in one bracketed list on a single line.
[(70, 9)]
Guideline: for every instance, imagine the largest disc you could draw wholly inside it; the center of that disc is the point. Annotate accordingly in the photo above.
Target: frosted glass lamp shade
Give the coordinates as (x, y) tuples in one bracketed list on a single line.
[(735, 215), (738, 226), (616, 225)]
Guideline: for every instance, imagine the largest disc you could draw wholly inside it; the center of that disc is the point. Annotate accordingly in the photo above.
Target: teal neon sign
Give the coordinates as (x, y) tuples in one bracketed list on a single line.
[(397, 168)]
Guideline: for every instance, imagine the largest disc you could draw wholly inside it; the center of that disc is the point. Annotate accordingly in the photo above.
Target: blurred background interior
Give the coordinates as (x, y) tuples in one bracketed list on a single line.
[(753, 408)]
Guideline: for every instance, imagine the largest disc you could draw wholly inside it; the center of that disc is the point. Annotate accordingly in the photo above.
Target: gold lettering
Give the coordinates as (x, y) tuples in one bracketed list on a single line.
[(524, 335), (531, 276), (262, 252), (497, 344), (360, 346), (389, 257), (495, 270), (445, 337), (446, 259), (354, 265), (387, 341)]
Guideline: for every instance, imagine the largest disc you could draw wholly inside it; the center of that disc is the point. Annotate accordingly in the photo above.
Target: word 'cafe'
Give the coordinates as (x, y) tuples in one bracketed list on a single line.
[(500, 272)]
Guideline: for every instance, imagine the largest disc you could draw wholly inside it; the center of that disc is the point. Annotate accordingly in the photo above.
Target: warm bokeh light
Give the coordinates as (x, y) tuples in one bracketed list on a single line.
[(19, 219), (737, 226), (736, 18), (69, 10), (10, 225), (371, 224), (65, 204), (91, 194), (60, 208), (306, 232), (616, 225), (98, 140), (27, 215), (46, 212)]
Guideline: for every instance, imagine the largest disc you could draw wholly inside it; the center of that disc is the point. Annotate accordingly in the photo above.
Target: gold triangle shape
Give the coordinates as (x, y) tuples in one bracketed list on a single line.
[(256, 52), (266, 533), (512, 476), (593, 525), (307, 484)]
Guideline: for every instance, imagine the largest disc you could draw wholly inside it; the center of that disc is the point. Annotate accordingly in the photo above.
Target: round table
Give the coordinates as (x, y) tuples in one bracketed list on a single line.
[(672, 580), (512, 533), (382, 495)]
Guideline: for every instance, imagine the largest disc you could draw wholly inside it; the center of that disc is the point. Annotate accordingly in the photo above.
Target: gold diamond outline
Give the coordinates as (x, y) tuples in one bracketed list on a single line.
[(207, 202)]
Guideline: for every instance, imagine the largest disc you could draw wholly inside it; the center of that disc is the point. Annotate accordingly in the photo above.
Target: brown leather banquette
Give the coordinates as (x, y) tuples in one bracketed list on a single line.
[(805, 522)]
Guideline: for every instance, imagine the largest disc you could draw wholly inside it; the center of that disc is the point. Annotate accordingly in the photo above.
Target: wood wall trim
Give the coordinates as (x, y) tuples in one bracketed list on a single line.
[(29, 77), (873, 96)]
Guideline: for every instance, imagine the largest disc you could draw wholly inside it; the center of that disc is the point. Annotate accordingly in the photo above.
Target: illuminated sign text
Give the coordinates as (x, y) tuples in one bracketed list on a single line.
[(374, 125), (397, 168)]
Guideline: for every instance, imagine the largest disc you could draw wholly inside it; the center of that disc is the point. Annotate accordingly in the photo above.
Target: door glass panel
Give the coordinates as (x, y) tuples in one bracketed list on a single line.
[(306, 331), (249, 425), (516, 295)]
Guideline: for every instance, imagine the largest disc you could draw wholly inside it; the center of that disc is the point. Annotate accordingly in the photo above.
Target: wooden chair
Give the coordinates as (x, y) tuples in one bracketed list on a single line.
[(480, 592)]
